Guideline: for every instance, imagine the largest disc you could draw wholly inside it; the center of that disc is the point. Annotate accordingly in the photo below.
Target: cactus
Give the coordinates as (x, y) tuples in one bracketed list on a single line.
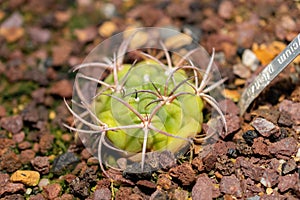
[(146, 106)]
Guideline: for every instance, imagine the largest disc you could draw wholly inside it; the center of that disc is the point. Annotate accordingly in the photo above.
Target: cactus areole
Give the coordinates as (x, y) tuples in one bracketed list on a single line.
[(151, 103)]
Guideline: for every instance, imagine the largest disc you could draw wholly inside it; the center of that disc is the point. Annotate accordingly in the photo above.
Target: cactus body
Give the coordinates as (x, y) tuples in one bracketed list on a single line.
[(180, 117)]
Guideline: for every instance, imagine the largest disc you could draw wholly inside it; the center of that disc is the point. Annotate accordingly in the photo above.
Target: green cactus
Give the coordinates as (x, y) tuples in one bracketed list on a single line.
[(147, 106)]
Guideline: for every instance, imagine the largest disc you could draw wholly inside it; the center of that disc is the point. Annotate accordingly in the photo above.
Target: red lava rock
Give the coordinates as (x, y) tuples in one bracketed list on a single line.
[(209, 161), (39, 35), (65, 197), (24, 145), (260, 146), (9, 188), (292, 109), (46, 143), (52, 191), (102, 193), (285, 119), (288, 182), (62, 88), (146, 184), (269, 178), (86, 35), (37, 197), (184, 173), (79, 187), (289, 166), (271, 114), (41, 164), (284, 147), (39, 95), (7, 143), (9, 161), (30, 113), (19, 137), (231, 185), (228, 106), (233, 124), (123, 193), (158, 194), (264, 127), (2, 111), (225, 165), (61, 53), (12, 124), (250, 170), (226, 9), (26, 156), (202, 190)]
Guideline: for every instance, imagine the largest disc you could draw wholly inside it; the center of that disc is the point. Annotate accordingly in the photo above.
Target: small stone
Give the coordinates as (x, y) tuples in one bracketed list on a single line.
[(46, 142), (180, 194), (30, 178), (264, 127), (43, 182), (12, 124), (41, 164), (260, 147), (19, 137), (292, 108), (250, 60), (10, 188), (39, 196), (52, 191), (209, 161), (287, 182), (234, 95), (241, 71), (62, 88), (198, 164), (167, 160), (226, 9), (7, 143), (184, 173), (269, 191), (284, 147), (228, 106), (269, 178), (202, 190), (102, 193), (39, 35), (63, 162), (79, 188), (232, 123), (26, 156), (249, 136), (12, 34), (158, 195), (9, 160), (289, 166), (285, 119), (86, 35), (107, 29), (61, 53), (231, 185)]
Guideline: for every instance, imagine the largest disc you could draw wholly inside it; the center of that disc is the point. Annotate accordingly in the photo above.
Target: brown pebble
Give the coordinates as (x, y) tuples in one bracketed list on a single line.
[(12, 188), (102, 193), (46, 142), (26, 156), (41, 164), (2, 111), (12, 124), (284, 147), (269, 178), (231, 185), (260, 146), (9, 160), (52, 191), (184, 173), (226, 9), (24, 145), (202, 190), (164, 181), (264, 127), (287, 182), (62, 88)]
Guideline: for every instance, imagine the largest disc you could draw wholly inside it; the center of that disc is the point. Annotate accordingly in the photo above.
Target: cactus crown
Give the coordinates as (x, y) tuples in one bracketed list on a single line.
[(146, 106)]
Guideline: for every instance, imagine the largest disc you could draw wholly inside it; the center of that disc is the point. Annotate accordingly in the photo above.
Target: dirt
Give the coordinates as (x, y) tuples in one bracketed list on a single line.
[(259, 156)]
